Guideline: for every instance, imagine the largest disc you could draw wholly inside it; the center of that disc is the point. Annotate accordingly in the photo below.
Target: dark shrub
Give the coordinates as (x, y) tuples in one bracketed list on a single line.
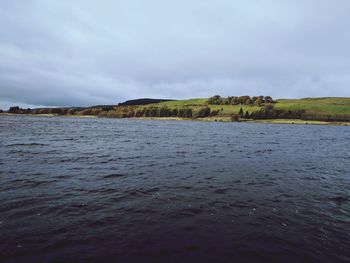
[(165, 112), (152, 112), (174, 112), (185, 113), (139, 112), (64, 111), (235, 117), (95, 111), (55, 111), (214, 113), (15, 110), (323, 117), (269, 112), (71, 111), (107, 108), (85, 112), (201, 112)]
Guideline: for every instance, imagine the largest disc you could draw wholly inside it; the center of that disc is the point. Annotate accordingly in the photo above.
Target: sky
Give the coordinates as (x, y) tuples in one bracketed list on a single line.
[(82, 52)]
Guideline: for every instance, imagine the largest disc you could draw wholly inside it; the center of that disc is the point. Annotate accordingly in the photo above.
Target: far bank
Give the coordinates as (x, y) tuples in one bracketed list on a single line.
[(207, 119)]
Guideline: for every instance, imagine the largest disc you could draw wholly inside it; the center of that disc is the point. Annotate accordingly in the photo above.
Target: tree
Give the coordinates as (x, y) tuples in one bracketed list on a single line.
[(246, 116), (241, 113), (233, 100), (258, 101), (15, 109), (268, 99), (242, 100), (215, 100)]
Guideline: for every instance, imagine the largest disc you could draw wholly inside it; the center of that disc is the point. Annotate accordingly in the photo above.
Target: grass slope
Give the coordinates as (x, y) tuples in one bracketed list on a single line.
[(194, 103), (324, 106), (317, 105)]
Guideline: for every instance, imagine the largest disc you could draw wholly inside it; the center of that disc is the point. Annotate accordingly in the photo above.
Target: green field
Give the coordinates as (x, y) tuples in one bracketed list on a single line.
[(322, 106), (316, 105), (194, 103)]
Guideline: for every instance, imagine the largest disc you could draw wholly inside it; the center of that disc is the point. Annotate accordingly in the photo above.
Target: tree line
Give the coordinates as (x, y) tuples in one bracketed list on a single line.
[(268, 111), (242, 100), (124, 111)]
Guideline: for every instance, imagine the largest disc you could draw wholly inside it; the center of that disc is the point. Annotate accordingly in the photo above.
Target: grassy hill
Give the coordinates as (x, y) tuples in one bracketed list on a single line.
[(317, 105), (321, 106)]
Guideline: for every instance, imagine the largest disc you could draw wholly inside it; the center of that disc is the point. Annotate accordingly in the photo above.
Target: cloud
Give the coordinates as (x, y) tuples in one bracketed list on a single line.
[(60, 53)]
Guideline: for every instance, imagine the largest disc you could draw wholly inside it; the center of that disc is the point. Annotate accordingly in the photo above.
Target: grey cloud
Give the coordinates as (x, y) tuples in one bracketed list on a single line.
[(59, 53)]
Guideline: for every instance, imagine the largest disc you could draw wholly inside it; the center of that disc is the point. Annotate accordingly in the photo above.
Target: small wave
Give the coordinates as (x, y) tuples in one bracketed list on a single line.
[(25, 144), (113, 175), (339, 199), (264, 151), (220, 191)]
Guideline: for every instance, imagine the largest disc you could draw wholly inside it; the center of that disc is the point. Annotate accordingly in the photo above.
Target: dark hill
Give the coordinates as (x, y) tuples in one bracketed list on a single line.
[(141, 102)]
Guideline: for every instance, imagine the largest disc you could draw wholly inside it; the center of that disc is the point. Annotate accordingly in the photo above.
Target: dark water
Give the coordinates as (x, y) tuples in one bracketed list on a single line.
[(161, 191)]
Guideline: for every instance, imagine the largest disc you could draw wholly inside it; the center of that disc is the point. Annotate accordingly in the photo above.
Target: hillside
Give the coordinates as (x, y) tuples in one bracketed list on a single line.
[(322, 106), (216, 107)]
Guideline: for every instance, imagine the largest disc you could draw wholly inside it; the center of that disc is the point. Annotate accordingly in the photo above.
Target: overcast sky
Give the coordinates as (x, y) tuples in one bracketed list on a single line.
[(63, 52)]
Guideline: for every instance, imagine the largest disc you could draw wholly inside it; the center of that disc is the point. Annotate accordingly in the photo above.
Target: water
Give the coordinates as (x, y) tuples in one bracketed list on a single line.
[(74, 189)]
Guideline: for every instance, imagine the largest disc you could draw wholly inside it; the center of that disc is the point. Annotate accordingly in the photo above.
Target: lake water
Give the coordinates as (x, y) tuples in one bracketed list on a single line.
[(122, 190)]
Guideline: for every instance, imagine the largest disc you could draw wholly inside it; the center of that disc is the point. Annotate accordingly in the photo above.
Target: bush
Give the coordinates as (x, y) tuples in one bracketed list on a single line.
[(165, 112), (323, 117), (152, 112), (184, 113), (201, 112), (174, 112), (55, 111), (71, 111), (269, 112), (214, 113), (85, 112), (15, 110), (235, 117), (139, 112)]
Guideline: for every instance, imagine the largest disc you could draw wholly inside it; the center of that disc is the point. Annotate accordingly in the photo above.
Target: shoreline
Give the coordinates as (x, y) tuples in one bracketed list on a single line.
[(207, 119), (268, 121)]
